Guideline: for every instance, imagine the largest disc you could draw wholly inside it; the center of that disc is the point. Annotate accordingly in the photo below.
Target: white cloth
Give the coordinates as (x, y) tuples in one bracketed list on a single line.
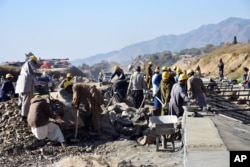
[(52, 131), (25, 80)]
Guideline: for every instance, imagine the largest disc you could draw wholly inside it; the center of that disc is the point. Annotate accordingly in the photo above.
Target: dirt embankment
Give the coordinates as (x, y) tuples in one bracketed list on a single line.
[(235, 58)]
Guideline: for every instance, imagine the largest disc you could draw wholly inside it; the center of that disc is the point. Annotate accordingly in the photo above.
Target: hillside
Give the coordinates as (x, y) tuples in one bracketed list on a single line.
[(206, 34), (235, 58)]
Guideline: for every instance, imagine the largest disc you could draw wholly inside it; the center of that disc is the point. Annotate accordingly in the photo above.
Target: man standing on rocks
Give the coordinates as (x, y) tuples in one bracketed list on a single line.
[(25, 84), (137, 84), (221, 69)]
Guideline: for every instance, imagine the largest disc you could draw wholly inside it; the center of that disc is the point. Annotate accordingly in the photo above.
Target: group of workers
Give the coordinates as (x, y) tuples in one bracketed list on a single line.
[(172, 88), (36, 110)]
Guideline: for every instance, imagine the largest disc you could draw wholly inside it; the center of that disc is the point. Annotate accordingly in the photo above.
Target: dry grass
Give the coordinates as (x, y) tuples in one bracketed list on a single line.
[(235, 58)]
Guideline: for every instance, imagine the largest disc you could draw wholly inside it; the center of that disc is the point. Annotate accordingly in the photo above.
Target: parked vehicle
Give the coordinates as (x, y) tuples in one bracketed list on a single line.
[(43, 85)]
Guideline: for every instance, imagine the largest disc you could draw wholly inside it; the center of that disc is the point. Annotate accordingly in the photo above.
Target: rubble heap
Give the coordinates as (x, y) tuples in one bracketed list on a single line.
[(18, 144)]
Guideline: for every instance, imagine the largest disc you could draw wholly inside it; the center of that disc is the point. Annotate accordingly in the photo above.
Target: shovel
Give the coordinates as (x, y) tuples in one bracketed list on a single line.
[(164, 105), (77, 123), (105, 109), (139, 109), (76, 129)]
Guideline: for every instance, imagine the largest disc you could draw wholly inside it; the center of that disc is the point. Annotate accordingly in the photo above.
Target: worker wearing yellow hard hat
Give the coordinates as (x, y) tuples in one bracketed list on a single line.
[(118, 72), (178, 72), (66, 82), (69, 76), (183, 77), (165, 90), (165, 75), (25, 84), (196, 89), (8, 76), (179, 97), (120, 85), (149, 74), (116, 67), (7, 88), (190, 71), (34, 58)]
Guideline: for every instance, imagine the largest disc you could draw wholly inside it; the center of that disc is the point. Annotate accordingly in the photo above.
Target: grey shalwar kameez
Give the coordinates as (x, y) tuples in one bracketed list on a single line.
[(25, 86), (196, 90), (177, 100)]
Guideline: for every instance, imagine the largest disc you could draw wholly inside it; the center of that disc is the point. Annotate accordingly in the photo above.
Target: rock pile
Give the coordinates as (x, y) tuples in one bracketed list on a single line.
[(18, 145)]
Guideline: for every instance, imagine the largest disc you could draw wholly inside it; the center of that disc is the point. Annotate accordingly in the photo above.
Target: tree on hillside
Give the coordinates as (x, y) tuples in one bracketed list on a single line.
[(235, 40)]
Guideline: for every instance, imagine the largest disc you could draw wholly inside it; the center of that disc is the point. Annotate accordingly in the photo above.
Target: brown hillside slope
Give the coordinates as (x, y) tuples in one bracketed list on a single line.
[(235, 58)]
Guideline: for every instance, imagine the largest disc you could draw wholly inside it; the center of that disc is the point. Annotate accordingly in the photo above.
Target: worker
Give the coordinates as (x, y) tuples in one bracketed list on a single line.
[(25, 84), (100, 78), (92, 98), (66, 81), (245, 78), (196, 89), (221, 69), (212, 85), (178, 72), (149, 74), (137, 84), (198, 71), (165, 89), (172, 73), (7, 88), (120, 86), (156, 80), (118, 72), (178, 96), (174, 69), (248, 78), (41, 127)]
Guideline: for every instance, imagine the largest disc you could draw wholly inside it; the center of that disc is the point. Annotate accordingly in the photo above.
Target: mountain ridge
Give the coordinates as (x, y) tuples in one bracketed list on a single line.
[(214, 34)]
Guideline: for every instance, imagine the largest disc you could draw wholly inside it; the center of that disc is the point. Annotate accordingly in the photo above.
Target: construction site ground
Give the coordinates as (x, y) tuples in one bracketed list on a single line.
[(207, 142)]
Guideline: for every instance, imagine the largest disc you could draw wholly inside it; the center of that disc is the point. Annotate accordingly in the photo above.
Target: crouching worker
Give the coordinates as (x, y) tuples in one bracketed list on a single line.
[(38, 119), (7, 89), (92, 98)]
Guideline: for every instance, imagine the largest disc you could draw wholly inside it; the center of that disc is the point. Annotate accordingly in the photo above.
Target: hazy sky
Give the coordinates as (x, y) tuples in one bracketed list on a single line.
[(82, 28)]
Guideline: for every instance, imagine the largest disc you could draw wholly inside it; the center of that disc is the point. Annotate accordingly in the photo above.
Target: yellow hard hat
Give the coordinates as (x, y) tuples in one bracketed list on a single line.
[(69, 75), (9, 76), (165, 75), (34, 58), (182, 77), (37, 96), (150, 63), (175, 67), (190, 71), (66, 84), (164, 68), (116, 68), (178, 70)]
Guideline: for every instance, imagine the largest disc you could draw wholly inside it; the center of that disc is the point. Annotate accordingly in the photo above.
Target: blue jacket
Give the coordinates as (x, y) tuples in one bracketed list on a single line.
[(6, 88)]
